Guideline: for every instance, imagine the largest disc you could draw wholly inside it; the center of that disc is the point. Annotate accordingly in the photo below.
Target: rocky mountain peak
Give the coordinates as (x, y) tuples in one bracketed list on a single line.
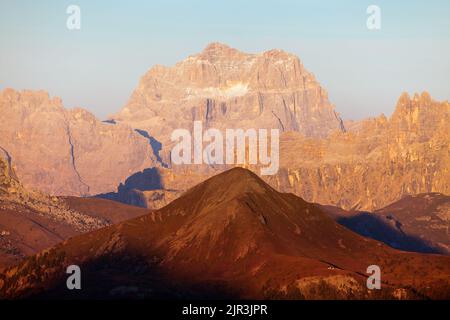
[(30, 100), (8, 178), (420, 109), (225, 87), (279, 54), (403, 100), (218, 50), (243, 181), (408, 103)]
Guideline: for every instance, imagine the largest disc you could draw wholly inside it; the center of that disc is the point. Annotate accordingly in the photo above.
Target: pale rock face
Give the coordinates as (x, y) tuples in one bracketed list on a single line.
[(13, 195), (67, 152), (366, 165), (226, 88), (374, 164), (9, 183)]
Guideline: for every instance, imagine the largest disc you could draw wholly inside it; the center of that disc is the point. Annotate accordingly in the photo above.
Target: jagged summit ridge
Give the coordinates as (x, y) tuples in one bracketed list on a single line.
[(227, 88)]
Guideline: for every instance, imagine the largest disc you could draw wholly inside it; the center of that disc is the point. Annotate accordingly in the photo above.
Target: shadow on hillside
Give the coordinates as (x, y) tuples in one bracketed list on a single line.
[(387, 230), (130, 192)]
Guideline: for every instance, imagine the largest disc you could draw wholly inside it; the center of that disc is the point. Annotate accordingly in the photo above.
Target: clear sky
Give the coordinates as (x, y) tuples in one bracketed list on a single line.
[(97, 67)]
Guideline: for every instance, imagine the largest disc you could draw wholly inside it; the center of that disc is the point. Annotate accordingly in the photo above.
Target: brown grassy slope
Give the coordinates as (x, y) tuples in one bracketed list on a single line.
[(111, 211)]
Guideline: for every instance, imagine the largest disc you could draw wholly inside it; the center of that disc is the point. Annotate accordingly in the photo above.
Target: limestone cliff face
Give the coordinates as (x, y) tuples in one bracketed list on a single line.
[(8, 179), (67, 152), (377, 162), (31, 221), (363, 165), (226, 88)]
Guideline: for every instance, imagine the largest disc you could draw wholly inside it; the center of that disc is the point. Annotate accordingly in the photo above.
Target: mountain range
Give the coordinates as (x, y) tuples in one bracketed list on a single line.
[(31, 221), (360, 165), (249, 241), (106, 196)]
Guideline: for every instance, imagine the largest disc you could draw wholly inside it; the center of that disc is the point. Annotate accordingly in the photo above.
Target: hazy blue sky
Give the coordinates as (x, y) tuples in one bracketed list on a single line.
[(98, 66)]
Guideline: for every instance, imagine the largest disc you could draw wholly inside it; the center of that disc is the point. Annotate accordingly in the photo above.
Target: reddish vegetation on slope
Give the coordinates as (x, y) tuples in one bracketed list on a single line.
[(235, 236), (31, 221)]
